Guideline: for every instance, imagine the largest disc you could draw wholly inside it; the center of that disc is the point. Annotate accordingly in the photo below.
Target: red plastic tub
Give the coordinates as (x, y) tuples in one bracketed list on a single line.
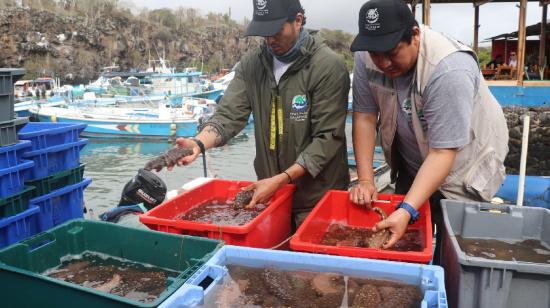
[(268, 229), (335, 207)]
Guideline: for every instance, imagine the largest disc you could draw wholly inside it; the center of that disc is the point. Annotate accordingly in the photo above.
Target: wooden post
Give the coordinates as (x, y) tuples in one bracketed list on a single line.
[(521, 41), (542, 46), (476, 27), (413, 7), (426, 12), (506, 47)]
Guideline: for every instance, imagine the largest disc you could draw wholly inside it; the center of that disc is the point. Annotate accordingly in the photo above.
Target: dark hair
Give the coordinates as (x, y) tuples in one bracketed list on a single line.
[(408, 34), (292, 18)]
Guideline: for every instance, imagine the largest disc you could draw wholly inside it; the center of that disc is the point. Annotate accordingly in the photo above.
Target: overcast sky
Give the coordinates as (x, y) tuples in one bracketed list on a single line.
[(454, 19)]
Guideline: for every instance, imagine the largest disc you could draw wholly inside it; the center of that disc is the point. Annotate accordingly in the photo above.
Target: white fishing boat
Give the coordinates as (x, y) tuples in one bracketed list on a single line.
[(159, 122)]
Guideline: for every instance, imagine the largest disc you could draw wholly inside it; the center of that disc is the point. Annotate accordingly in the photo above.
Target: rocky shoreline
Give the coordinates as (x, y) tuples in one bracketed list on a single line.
[(74, 46), (538, 152)]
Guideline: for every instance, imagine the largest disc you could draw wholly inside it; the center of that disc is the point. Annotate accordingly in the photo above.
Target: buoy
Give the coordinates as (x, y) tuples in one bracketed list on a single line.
[(54, 118)]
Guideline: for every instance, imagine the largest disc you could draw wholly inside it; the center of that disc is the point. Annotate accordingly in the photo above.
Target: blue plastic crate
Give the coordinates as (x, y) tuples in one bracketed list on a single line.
[(45, 135), (60, 206), (11, 155), (18, 227), (536, 192), (54, 159), (12, 179), (429, 278)]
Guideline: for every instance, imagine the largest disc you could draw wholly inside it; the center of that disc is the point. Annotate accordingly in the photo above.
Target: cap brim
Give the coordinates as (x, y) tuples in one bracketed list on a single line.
[(381, 43), (265, 28)]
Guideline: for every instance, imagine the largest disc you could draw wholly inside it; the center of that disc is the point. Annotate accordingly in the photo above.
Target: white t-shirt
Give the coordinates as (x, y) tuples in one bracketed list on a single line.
[(513, 63), (279, 68)]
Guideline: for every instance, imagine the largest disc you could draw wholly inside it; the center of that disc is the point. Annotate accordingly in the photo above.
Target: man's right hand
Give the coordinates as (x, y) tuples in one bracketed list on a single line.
[(364, 193), (187, 143)]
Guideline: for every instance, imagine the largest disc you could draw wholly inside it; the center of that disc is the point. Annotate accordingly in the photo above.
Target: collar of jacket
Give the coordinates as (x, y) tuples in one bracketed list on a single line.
[(310, 46)]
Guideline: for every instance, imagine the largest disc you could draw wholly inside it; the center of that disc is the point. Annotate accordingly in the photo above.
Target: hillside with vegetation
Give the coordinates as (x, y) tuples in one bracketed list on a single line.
[(74, 39), (340, 42)]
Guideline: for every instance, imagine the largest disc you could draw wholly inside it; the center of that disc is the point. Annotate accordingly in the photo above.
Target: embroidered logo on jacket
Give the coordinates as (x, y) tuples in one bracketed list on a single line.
[(299, 108)]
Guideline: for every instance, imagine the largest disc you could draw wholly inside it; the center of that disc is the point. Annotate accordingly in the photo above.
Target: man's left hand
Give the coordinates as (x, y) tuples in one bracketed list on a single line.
[(397, 222), (187, 143)]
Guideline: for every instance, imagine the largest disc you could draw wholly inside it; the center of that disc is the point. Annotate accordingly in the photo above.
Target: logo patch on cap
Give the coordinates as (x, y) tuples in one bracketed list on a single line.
[(372, 20), (261, 8), (261, 4)]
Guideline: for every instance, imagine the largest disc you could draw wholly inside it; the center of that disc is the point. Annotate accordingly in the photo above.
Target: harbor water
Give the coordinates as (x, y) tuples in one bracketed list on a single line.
[(112, 163)]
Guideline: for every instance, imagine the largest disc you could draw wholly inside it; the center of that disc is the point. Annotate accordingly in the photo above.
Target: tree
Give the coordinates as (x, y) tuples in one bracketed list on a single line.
[(484, 56), (7, 3), (163, 17)]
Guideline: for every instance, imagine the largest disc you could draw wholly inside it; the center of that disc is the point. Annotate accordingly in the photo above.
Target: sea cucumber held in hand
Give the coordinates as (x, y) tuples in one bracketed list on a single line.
[(168, 159)]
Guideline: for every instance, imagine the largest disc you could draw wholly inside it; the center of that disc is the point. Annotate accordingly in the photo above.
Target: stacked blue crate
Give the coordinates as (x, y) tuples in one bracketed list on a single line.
[(55, 148), (13, 169), (15, 213)]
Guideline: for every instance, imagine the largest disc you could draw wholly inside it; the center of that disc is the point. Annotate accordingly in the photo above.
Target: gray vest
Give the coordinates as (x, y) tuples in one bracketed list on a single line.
[(478, 170)]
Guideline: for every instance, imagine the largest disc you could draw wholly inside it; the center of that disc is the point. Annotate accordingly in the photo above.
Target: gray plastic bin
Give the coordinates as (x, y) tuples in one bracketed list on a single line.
[(485, 283), (9, 129), (8, 76)]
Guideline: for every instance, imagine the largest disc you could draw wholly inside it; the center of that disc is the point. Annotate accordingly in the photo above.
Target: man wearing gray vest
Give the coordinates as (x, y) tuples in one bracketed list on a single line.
[(442, 131)]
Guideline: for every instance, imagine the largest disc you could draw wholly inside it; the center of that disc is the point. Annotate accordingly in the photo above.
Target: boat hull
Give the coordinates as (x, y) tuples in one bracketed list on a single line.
[(213, 94), (129, 129), (22, 107)]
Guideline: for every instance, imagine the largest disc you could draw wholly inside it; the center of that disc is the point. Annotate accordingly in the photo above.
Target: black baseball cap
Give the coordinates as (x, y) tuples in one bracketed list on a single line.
[(381, 25), (270, 15)]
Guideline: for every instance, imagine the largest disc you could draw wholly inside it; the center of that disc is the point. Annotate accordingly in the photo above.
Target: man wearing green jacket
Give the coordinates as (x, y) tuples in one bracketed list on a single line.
[(297, 89)]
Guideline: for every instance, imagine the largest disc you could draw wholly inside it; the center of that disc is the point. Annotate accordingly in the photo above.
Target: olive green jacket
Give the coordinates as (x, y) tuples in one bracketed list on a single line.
[(302, 120)]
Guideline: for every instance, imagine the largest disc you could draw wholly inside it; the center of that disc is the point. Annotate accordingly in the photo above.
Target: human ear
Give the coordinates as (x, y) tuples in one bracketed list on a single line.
[(299, 20)]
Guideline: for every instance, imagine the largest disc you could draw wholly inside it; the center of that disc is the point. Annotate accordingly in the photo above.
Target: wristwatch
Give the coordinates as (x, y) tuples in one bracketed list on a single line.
[(200, 144), (409, 208)]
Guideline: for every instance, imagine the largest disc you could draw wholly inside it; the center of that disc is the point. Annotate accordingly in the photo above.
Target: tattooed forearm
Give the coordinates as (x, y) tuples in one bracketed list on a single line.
[(211, 130)]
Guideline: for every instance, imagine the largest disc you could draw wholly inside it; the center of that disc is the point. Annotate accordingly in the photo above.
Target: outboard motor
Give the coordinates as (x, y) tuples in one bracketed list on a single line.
[(146, 188)]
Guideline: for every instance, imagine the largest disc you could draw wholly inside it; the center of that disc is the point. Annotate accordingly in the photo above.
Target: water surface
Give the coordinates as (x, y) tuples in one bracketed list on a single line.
[(112, 163)]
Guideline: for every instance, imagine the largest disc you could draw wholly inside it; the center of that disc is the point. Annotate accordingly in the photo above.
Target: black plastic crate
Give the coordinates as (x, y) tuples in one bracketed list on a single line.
[(17, 203), (8, 76), (8, 133), (9, 129)]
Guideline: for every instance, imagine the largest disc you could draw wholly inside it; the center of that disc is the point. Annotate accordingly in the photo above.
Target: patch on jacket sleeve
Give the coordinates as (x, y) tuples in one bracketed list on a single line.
[(300, 108)]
